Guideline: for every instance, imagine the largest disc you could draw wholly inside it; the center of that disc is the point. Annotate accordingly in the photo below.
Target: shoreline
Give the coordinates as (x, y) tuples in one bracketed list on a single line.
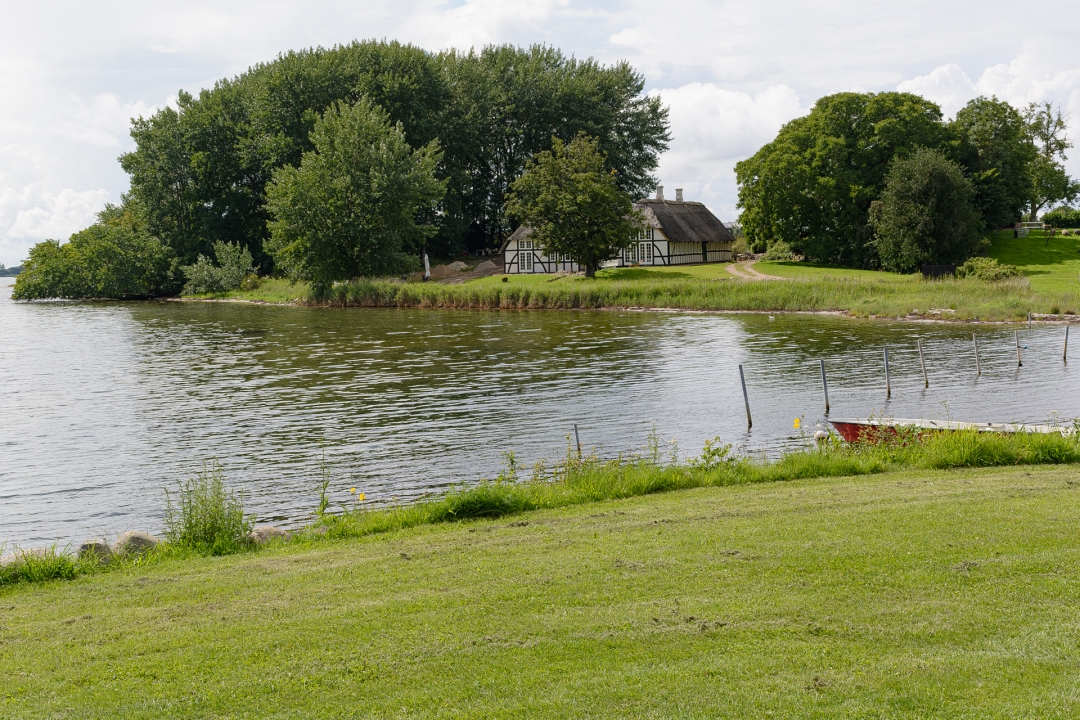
[(1036, 318)]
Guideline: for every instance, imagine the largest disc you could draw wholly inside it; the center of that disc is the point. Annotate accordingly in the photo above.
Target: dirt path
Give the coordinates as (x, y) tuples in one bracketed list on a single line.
[(746, 271)]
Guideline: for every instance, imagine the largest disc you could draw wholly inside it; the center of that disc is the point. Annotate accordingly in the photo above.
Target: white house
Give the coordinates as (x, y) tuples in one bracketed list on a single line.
[(678, 233)]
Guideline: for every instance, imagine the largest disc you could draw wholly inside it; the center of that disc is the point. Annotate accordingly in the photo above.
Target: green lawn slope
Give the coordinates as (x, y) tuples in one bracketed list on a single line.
[(951, 594)]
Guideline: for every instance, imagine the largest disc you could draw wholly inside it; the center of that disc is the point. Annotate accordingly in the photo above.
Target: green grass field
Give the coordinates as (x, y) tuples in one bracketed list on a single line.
[(1053, 267), (947, 594)]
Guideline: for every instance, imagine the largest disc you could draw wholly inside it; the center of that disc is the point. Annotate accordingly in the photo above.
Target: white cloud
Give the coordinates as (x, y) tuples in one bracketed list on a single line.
[(712, 129), (947, 85), (29, 214)]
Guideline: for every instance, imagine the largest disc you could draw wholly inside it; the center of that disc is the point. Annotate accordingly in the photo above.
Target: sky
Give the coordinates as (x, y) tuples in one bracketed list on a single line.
[(74, 74)]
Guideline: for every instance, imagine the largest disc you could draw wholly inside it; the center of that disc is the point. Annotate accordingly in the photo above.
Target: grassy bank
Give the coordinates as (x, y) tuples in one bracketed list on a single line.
[(915, 594), (892, 297), (574, 481)]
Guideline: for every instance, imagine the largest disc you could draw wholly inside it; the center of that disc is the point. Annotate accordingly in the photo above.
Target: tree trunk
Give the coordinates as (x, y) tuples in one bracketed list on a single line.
[(590, 271)]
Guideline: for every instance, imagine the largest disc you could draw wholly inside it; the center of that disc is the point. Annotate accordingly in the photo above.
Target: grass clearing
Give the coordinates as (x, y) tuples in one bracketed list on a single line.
[(913, 594), (1052, 264)]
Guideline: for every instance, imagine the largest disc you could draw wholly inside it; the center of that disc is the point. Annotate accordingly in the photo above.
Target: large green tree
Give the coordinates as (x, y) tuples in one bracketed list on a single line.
[(812, 186), (998, 154), (354, 204), (572, 204), (925, 214), (199, 173)]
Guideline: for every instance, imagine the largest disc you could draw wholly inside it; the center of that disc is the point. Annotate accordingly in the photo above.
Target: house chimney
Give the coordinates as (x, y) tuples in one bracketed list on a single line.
[(678, 194), (660, 192)]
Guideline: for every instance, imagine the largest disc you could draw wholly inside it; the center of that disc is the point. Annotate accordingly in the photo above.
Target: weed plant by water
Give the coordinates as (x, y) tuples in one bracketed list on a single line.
[(208, 520), (206, 517)]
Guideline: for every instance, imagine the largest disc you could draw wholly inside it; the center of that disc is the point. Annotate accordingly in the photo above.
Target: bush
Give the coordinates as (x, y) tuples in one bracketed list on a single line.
[(984, 268), (234, 265), (38, 566), (102, 261), (1063, 217), (207, 518), (778, 251), (925, 215)]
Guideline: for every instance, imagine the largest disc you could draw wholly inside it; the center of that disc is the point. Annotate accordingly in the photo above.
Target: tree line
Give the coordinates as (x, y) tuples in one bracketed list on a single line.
[(879, 180), (326, 164)]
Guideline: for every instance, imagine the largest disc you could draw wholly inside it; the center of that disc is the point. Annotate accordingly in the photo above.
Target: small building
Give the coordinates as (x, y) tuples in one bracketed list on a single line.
[(678, 233)]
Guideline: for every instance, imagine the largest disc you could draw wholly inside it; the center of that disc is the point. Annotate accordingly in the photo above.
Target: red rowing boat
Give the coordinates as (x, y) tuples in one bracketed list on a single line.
[(875, 428)]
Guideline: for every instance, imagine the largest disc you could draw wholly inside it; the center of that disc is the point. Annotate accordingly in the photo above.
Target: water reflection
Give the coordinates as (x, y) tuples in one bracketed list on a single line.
[(105, 404)]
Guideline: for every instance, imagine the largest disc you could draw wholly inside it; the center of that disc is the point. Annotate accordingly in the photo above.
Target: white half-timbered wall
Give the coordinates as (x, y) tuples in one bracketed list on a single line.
[(650, 248)]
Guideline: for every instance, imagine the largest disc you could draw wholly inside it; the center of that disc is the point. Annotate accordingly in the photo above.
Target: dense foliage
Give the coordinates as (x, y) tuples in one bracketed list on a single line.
[(200, 172), (925, 214), (573, 205), (812, 187), (114, 258), (351, 208), (1063, 217), (997, 152), (234, 263)]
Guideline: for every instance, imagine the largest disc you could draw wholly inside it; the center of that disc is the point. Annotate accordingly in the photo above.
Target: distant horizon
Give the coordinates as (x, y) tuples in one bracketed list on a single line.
[(73, 77)]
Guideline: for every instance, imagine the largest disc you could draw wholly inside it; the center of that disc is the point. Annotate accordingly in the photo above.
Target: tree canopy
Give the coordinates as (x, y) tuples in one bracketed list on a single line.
[(813, 186), (199, 173), (352, 206), (572, 204), (925, 214)]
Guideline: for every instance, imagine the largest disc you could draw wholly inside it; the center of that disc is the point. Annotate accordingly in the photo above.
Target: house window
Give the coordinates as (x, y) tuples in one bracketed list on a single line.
[(645, 234), (525, 244), (525, 260), (645, 252)]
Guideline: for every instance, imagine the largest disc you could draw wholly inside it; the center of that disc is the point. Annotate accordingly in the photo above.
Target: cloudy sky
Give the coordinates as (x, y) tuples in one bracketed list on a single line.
[(72, 74)]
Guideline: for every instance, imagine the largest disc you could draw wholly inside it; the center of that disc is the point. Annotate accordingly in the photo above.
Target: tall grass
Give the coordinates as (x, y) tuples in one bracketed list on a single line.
[(896, 298), (206, 517), (576, 480)]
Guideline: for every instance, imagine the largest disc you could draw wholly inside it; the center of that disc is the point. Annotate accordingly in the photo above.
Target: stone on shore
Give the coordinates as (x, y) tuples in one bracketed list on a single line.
[(135, 542), (96, 548), (265, 533), (19, 555)]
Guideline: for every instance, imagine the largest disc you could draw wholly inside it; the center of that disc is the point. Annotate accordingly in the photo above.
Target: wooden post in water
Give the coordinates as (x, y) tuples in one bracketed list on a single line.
[(1016, 334), (888, 385), (1029, 321), (577, 439), (975, 340), (824, 386), (746, 399), (1065, 350), (922, 362)]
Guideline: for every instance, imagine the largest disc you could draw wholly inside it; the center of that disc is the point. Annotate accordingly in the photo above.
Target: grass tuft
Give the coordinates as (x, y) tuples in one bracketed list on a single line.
[(206, 517)]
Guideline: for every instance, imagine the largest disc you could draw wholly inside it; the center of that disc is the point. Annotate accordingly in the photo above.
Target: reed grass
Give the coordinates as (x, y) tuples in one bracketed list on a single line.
[(209, 520), (581, 480), (968, 298)]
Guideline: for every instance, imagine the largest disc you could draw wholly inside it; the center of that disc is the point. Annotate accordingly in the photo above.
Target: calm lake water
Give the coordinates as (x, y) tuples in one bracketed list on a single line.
[(103, 405)]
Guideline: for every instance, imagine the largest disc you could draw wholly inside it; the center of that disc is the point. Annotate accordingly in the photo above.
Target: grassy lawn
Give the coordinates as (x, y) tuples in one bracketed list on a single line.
[(819, 271), (270, 290), (914, 594), (1053, 267)]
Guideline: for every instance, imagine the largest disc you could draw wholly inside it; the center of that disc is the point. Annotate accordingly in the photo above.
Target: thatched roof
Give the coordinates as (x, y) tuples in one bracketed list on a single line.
[(684, 221)]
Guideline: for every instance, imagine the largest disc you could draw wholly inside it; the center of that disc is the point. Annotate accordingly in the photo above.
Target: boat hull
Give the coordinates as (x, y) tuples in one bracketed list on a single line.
[(875, 430)]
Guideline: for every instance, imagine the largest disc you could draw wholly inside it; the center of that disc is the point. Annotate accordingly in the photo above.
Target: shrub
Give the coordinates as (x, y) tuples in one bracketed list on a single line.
[(234, 265), (206, 517), (778, 251), (1063, 217), (102, 261), (984, 268)]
